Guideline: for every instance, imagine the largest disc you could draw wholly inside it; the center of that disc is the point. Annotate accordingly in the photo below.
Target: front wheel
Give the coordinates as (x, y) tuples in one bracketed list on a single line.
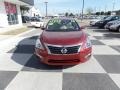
[(118, 29), (109, 29)]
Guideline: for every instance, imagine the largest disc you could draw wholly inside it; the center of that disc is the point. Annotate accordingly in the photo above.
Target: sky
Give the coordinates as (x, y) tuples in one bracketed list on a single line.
[(75, 6)]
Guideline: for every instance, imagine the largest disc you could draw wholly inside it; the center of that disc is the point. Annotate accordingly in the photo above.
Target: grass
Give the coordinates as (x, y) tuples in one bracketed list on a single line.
[(16, 31)]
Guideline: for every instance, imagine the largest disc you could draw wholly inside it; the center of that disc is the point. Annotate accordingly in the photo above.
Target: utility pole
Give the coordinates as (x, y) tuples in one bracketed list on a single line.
[(95, 9), (46, 7), (83, 4), (113, 5), (105, 8)]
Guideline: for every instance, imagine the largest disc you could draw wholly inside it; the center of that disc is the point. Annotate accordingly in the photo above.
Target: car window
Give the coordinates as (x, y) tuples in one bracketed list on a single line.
[(62, 25), (109, 18), (115, 18), (35, 19)]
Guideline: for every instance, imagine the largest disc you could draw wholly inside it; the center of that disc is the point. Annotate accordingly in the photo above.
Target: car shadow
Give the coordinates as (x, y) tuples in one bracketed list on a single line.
[(92, 27), (26, 47), (101, 30), (113, 35), (106, 33)]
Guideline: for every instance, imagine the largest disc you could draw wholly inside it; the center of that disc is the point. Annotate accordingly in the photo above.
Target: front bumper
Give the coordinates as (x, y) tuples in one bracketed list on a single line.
[(100, 25), (92, 23), (113, 28), (107, 27), (61, 59)]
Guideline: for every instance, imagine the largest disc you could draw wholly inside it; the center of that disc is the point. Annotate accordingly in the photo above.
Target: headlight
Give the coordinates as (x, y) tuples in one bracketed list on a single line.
[(117, 23), (39, 44), (113, 23), (88, 43), (101, 22)]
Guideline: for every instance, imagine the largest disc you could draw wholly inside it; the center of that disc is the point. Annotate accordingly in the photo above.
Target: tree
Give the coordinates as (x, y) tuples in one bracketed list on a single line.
[(24, 9), (97, 13), (89, 11), (71, 14), (118, 12), (102, 13), (66, 14), (109, 13)]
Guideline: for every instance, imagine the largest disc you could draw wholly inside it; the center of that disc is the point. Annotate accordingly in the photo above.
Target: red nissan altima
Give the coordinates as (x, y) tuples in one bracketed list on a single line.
[(63, 43)]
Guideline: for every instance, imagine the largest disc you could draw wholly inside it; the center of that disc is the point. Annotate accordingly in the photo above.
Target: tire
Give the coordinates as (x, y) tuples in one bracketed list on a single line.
[(110, 30), (119, 29)]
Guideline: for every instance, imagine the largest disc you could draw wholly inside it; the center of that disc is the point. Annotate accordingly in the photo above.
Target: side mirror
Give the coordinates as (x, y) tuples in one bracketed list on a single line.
[(82, 27), (42, 28)]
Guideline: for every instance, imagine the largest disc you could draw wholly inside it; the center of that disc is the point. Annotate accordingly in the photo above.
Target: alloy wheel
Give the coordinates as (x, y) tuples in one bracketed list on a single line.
[(119, 29)]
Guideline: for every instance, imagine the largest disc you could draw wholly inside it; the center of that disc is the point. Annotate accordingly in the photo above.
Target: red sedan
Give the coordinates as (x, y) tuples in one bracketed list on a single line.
[(63, 43)]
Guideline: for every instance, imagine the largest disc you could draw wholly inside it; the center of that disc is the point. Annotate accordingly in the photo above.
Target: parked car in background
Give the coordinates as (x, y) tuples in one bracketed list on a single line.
[(25, 19), (93, 21), (107, 26), (36, 22), (102, 23), (63, 43), (115, 27)]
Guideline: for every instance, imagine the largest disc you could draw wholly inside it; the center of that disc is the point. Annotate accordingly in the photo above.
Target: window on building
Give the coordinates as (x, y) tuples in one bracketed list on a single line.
[(11, 11)]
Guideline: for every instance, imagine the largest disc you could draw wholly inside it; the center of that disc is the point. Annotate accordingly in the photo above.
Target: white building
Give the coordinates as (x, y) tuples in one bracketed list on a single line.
[(10, 13), (35, 12)]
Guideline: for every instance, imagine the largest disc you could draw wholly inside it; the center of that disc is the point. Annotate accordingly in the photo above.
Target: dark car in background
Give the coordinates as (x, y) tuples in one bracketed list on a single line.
[(25, 19), (102, 23)]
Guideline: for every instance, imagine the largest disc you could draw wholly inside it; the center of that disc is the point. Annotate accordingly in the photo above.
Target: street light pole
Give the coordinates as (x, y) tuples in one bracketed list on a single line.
[(113, 5), (105, 8), (46, 7), (83, 9)]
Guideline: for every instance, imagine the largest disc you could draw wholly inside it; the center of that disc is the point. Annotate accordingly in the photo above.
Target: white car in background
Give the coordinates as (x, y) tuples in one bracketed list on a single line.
[(36, 22), (107, 26), (93, 21), (115, 27)]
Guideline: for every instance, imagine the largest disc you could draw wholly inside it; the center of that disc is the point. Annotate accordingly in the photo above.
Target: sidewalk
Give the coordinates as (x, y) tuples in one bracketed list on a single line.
[(4, 37), (9, 42), (6, 29), (12, 31)]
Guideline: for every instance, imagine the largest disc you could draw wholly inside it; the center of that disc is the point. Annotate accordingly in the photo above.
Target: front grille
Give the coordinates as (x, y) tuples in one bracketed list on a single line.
[(109, 24), (57, 50)]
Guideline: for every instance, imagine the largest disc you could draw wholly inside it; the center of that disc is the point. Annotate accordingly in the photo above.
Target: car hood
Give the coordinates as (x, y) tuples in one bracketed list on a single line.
[(103, 20), (63, 38), (95, 20)]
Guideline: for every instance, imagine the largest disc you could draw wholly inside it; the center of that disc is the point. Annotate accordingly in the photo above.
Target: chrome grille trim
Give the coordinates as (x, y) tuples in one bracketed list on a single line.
[(62, 46)]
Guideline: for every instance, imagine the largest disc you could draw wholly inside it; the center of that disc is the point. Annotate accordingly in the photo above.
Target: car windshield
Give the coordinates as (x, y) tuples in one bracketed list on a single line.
[(109, 18), (62, 25), (103, 18), (35, 19)]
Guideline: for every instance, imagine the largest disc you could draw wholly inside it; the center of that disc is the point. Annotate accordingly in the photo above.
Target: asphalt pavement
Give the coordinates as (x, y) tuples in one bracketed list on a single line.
[(21, 70)]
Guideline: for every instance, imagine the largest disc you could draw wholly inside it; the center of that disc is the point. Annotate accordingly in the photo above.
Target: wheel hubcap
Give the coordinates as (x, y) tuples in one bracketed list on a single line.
[(119, 29)]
